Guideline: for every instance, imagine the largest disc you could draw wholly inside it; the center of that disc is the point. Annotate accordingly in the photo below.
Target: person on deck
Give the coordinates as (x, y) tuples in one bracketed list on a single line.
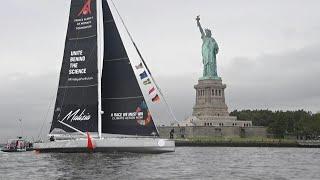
[(171, 133)]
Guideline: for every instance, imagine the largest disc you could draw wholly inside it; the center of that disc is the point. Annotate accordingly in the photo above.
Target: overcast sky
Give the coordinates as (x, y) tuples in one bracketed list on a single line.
[(269, 54)]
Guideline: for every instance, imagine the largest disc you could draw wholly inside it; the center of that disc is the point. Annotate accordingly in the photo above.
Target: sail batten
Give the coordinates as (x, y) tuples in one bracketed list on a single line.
[(118, 59), (79, 38), (64, 87), (109, 21), (137, 97)]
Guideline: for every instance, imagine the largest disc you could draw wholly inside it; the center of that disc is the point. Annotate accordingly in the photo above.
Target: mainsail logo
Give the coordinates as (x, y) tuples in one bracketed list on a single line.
[(77, 116), (86, 9), (140, 109)]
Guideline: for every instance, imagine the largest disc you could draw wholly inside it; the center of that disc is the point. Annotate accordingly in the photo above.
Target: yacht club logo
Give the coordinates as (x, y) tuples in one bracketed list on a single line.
[(77, 116), (86, 9)]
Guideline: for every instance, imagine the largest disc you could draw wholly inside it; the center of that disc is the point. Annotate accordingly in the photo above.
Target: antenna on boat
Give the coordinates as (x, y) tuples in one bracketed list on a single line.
[(20, 120), (144, 63)]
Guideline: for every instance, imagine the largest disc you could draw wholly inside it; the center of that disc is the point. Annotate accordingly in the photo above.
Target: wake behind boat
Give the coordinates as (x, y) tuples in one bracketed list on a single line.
[(105, 88)]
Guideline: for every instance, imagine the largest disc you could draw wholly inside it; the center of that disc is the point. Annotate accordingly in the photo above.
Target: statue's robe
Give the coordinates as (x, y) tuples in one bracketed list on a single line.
[(209, 51)]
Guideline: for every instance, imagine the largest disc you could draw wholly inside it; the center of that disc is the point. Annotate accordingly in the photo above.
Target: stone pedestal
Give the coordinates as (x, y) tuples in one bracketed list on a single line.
[(210, 99), (210, 108)]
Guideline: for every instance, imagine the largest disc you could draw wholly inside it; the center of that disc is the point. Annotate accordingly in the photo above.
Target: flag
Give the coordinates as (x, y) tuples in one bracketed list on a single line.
[(143, 75), (156, 98), (146, 82), (139, 66), (152, 90), (90, 145)]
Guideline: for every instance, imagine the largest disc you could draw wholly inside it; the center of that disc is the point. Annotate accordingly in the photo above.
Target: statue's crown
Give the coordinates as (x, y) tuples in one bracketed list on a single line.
[(208, 31)]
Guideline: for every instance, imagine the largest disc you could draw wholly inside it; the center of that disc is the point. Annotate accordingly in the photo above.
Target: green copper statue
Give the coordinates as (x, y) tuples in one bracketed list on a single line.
[(209, 51)]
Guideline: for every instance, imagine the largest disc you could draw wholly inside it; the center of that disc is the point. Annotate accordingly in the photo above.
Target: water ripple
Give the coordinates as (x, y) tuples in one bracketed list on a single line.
[(185, 163)]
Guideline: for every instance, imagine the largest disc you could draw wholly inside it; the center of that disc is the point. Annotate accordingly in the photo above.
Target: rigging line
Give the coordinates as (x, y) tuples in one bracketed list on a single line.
[(46, 115), (142, 59), (73, 128)]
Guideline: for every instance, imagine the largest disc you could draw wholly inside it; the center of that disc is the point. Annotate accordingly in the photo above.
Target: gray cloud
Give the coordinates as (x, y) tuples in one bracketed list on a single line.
[(26, 97), (286, 80)]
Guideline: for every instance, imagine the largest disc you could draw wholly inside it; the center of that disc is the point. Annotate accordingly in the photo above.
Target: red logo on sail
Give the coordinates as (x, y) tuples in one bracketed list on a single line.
[(147, 120), (86, 9)]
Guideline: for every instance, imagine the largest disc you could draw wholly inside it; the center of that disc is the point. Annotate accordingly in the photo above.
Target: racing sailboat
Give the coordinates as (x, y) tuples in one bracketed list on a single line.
[(107, 99)]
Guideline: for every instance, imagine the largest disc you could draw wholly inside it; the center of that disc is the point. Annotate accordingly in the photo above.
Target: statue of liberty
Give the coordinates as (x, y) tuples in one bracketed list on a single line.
[(209, 51)]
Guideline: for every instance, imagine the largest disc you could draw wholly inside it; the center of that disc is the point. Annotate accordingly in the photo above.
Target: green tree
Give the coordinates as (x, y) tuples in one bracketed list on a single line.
[(280, 123)]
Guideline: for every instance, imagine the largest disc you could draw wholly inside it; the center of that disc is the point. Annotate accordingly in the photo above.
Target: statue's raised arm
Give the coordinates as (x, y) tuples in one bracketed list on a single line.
[(200, 27), (210, 50)]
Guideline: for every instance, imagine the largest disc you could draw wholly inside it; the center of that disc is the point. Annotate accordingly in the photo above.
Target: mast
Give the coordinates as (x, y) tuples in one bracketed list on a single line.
[(100, 45)]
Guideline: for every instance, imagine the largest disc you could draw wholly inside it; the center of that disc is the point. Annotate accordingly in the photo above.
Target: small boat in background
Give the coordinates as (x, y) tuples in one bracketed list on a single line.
[(17, 145)]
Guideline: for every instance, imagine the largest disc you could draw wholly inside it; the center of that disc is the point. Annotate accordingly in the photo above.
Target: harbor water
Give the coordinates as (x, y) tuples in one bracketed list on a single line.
[(185, 163)]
